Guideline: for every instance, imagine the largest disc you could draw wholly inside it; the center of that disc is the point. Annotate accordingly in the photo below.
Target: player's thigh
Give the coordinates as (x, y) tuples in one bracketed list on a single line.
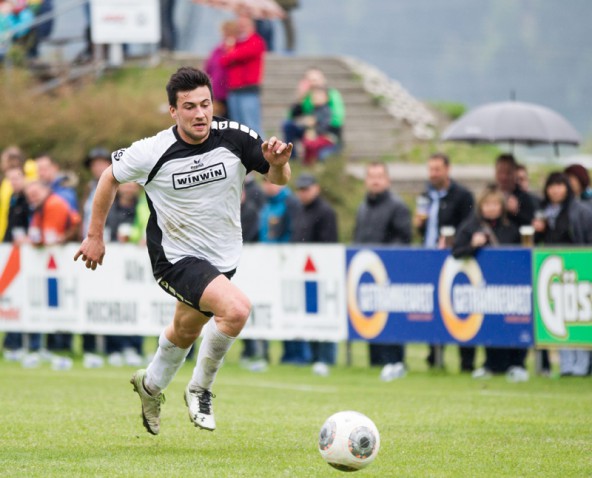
[(188, 321), (225, 300)]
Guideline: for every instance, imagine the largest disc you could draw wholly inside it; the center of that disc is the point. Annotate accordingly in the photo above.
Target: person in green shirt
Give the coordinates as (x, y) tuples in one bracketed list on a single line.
[(303, 109)]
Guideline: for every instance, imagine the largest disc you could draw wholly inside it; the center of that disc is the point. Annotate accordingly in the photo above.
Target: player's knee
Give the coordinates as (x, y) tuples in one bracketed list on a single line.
[(238, 312)]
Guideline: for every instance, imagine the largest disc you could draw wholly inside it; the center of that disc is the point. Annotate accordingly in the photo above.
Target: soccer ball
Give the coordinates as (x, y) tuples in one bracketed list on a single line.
[(349, 441)]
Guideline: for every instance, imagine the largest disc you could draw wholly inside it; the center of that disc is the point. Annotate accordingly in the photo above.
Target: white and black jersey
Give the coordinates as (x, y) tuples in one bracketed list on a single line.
[(193, 191)]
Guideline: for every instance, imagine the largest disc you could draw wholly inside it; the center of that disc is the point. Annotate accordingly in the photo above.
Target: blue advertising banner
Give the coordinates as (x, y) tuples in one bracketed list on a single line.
[(423, 295)]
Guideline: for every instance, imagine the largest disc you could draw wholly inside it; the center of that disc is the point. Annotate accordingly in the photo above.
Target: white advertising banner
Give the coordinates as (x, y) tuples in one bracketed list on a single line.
[(125, 21), (297, 292)]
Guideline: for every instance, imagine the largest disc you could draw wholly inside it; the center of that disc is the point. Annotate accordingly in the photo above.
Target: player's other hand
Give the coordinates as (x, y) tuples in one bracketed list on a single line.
[(276, 152), (92, 251)]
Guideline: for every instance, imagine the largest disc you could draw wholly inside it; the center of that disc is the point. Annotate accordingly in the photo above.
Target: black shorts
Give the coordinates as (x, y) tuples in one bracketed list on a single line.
[(187, 279)]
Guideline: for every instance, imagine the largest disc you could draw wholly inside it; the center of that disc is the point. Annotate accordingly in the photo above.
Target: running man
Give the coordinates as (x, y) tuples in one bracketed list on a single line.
[(193, 175)]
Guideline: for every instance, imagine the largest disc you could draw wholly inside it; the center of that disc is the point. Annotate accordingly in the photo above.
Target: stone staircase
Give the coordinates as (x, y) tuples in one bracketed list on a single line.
[(370, 131)]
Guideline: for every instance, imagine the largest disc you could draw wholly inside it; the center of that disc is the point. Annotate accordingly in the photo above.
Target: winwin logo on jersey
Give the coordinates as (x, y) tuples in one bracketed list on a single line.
[(215, 172)]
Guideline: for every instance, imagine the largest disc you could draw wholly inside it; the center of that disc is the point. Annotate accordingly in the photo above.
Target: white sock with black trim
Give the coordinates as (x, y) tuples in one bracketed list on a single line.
[(210, 357), (164, 366)]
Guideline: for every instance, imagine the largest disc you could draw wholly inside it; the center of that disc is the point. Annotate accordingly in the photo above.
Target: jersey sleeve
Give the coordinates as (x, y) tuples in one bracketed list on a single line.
[(133, 164), (252, 157)]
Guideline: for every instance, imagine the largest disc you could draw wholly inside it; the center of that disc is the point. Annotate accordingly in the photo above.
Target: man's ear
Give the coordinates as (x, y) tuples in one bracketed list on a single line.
[(173, 112)]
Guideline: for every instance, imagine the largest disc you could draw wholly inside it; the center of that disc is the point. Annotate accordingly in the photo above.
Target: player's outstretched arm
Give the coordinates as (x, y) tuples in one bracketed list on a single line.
[(92, 249), (277, 154)]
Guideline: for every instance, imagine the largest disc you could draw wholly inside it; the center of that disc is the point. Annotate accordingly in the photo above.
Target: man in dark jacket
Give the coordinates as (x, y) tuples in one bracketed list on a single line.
[(519, 204), (447, 204), (383, 218), (316, 222)]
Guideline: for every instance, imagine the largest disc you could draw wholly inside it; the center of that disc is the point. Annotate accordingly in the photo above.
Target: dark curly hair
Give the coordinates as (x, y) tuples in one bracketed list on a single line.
[(186, 78)]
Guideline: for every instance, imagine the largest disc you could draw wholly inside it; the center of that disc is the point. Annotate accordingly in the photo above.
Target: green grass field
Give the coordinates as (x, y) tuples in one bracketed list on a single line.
[(87, 423)]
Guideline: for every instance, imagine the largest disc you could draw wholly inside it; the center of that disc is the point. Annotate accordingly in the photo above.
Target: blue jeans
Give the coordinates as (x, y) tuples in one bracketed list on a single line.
[(245, 107), (324, 352), (296, 352), (14, 341)]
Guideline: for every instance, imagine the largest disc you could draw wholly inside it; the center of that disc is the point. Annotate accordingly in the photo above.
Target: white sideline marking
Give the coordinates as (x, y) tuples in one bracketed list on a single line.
[(283, 386)]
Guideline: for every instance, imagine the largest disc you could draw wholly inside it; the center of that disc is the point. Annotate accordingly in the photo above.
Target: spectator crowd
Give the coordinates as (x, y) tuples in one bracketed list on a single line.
[(40, 205)]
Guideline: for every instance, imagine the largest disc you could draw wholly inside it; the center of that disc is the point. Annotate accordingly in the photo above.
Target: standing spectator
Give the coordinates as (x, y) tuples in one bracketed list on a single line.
[(490, 227), (315, 222), (10, 157), (287, 22), (519, 204), (243, 59), (523, 181), (18, 224), (218, 72), (566, 222), (447, 204), (303, 107), (383, 218), (579, 180), (276, 226), (168, 40), (53, 222), (97, 160), (50, 173)]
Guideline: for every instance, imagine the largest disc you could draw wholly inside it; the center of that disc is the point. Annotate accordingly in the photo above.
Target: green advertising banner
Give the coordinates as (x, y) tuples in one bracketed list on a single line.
[(562, 296)]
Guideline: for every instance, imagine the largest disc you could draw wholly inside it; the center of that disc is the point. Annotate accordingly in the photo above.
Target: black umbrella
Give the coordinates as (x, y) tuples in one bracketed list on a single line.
[(512, 122)]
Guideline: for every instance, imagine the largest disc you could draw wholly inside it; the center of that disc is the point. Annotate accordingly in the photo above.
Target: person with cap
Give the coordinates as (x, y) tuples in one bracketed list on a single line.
[(316, 222), (579, 180)]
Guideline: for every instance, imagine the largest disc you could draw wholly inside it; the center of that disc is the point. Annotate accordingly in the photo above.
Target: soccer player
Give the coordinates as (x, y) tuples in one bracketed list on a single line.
[(192, 174)]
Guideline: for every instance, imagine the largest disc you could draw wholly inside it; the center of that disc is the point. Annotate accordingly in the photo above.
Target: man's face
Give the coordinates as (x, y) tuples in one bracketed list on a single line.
[(98, 165), (438, 173), (309, 194), (505, 176), (193, 114), (46, 169), (377, 180)]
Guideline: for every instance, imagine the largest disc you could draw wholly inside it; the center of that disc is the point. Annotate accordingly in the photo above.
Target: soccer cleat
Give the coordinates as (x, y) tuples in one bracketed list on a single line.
[(199, 406), (150, 403)]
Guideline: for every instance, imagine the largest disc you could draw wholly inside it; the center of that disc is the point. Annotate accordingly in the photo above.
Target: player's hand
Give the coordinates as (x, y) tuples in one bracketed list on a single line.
[(92, 251), (276, 152)]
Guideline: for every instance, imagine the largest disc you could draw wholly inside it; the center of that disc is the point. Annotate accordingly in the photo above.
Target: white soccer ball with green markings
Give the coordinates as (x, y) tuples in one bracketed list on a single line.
[(349, 441)]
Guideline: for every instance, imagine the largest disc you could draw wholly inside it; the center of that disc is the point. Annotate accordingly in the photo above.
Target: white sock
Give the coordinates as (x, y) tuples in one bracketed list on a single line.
[(212, 350), (166, 363)]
